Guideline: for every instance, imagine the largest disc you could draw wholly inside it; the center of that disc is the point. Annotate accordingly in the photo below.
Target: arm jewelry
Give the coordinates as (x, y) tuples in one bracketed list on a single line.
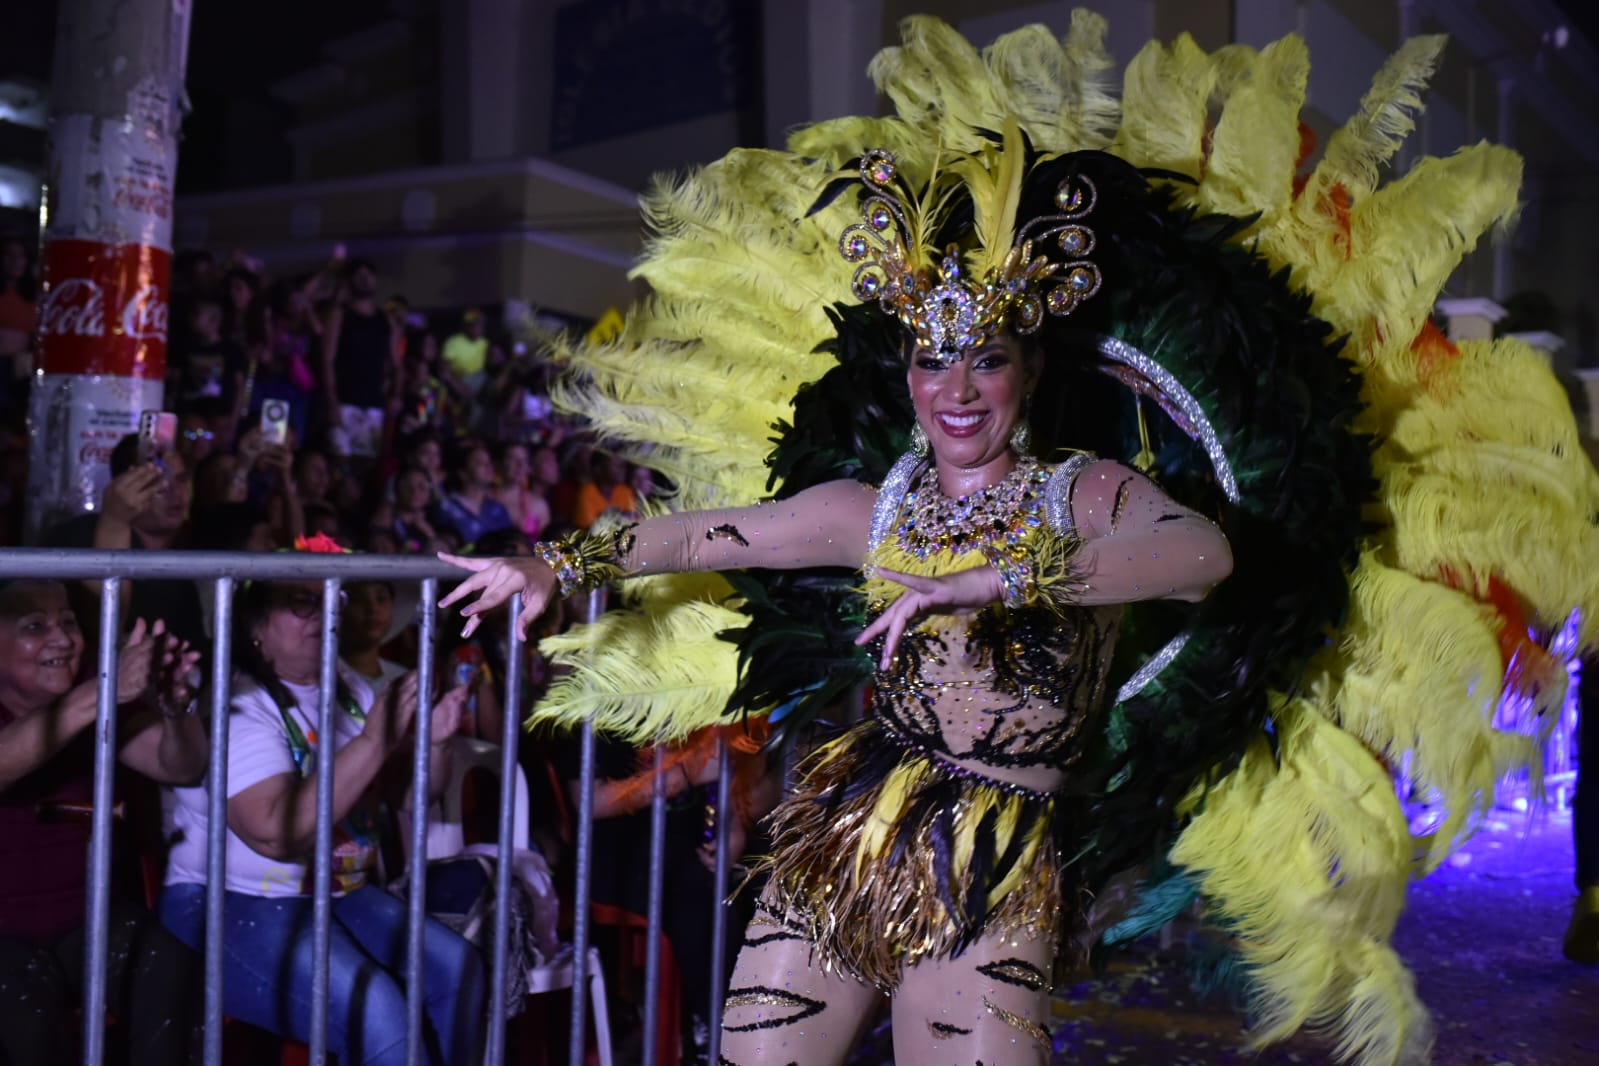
[(1037, 571), (583, 560)]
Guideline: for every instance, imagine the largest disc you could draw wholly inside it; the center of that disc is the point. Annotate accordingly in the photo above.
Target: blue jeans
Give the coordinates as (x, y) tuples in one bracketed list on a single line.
[(267, 947)]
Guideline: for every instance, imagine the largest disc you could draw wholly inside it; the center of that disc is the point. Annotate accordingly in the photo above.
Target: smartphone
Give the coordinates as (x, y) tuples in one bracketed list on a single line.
[(275, 422), (158, 432)]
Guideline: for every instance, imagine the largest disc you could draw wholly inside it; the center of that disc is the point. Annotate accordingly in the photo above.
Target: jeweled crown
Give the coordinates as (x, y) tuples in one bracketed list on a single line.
[(949, 306)]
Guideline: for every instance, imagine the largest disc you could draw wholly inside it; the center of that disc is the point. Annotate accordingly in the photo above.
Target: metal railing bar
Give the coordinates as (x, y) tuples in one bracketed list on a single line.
[(724, 817), (505, 866), (97, 922), (82, 564), (584, 860), (657, 889), (217, 813), (416, 902), (322, 899)]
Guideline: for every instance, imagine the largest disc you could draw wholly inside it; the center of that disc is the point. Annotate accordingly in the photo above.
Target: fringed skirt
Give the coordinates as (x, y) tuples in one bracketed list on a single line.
[(885, 856)]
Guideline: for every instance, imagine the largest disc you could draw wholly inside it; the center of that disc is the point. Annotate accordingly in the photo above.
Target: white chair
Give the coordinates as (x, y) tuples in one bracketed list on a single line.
[(447, 837)]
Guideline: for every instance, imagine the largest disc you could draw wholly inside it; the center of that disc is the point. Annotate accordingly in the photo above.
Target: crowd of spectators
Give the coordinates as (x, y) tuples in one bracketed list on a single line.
[(311, 410)]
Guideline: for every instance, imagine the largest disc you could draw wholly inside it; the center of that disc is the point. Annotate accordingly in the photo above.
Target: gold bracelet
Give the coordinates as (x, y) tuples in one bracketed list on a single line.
[(581, 561)]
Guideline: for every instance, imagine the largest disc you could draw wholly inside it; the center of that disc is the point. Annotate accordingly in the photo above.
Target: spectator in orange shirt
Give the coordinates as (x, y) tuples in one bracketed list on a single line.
[(606, 489)]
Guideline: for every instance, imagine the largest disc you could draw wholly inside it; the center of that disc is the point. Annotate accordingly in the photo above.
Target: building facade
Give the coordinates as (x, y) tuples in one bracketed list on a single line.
[(484, 150)]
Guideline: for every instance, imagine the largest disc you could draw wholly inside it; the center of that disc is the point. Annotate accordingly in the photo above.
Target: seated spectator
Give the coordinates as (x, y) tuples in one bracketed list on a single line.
[(519, 493), (46, 789), (144, 507), (369, 622), (274, 755), (424, 450), (415, 515), (605, 490), (472, 509)]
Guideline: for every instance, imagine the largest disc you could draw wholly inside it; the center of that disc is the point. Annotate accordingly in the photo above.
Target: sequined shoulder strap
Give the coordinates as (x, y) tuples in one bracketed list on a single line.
[(891, 495), (1058, 492)]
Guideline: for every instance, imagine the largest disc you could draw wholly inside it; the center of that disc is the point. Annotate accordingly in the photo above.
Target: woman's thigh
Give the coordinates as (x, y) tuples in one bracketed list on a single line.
[(783, 1007), (377, 921), (989, 1005), (268, 951)]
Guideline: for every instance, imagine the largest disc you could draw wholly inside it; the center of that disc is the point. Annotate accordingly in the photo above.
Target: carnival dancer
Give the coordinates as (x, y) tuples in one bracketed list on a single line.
[(1155, 281)]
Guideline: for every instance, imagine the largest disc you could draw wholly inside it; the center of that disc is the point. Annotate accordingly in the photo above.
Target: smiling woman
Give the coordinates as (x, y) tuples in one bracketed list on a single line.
[(275, 756), (46, 766)]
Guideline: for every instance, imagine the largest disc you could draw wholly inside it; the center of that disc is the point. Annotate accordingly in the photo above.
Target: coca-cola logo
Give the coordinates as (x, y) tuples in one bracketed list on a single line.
[(74, 307), (145, 316), (93, 453)]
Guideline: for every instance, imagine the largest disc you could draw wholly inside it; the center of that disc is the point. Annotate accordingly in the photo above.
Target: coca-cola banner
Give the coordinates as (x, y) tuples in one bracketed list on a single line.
[(103, 309)]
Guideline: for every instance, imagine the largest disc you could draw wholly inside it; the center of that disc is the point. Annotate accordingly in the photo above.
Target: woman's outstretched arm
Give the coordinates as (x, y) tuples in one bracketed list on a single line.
[(823, 526)]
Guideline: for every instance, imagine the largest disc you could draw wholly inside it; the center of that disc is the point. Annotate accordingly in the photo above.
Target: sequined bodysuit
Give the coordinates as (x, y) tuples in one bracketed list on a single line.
[(945, 815), (1003, 693)]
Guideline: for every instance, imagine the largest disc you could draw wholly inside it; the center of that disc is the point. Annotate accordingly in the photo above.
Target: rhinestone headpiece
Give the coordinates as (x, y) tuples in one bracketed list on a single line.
[(945, 306)]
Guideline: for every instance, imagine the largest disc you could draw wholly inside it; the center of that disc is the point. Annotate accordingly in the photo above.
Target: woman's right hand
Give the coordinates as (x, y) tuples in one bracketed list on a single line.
[(496, 581)]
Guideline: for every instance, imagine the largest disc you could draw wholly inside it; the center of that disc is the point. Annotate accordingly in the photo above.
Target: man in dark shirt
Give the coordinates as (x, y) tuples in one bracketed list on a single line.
[(360, 366), (145, 506)]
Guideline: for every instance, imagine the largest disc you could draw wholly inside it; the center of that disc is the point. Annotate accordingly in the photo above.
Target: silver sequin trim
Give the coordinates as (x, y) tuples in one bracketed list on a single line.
[(1161, 378), (1154, 665), (1058, 492), (891, 495)]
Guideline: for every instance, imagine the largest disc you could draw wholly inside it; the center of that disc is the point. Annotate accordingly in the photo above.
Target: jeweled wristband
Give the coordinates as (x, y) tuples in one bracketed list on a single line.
[(1017, 581), (580, 561)]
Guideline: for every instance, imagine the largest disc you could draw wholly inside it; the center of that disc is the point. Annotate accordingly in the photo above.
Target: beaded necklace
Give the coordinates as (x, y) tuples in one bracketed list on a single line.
[(931, 522)]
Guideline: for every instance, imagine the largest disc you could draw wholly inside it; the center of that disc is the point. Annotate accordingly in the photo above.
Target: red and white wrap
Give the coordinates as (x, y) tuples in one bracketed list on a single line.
[(103, 308)]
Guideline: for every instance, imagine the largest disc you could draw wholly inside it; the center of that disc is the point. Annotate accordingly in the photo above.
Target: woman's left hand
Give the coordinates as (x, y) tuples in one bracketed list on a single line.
[(447, 714), (962, 592), (177, 675)]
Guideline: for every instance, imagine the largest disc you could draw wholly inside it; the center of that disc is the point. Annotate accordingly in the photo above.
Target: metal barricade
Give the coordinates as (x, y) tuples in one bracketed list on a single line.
[(224, 570)]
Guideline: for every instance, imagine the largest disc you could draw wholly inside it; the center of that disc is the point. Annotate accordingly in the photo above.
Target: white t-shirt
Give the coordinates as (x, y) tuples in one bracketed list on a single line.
[(258, 748)]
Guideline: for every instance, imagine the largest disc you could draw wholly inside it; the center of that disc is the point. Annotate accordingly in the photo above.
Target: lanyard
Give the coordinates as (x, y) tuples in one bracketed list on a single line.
[(300, 749)]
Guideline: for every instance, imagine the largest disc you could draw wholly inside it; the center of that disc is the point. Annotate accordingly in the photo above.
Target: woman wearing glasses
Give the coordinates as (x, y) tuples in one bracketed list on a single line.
[(274, 756)]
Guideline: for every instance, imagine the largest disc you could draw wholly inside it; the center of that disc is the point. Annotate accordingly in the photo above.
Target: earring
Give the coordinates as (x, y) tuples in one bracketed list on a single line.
[(1021, 437), (919, 444)]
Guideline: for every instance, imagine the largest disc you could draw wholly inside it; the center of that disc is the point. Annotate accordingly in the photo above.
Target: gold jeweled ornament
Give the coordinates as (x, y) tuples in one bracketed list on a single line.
[(954, 301)]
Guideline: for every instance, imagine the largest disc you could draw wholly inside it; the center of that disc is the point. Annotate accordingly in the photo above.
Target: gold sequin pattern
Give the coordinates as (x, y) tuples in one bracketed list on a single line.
[(1016, 1021), (869, 916)]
